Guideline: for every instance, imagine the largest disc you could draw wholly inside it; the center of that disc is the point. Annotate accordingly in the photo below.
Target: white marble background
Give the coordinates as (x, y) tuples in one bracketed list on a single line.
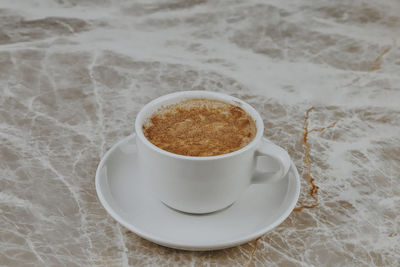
[(73, 75)]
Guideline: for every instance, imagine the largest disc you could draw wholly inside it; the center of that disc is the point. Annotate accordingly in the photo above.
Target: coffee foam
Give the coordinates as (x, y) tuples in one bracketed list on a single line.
[(200, 127)]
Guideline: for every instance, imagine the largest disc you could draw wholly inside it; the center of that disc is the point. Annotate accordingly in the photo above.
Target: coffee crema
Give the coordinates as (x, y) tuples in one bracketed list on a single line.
[(200, 127)]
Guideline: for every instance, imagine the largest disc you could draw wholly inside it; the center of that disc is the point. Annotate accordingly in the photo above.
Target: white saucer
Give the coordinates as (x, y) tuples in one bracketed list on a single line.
[(127, 198)]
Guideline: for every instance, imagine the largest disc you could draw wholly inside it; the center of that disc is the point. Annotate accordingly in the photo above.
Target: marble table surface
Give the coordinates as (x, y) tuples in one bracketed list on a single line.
[(323, 74)]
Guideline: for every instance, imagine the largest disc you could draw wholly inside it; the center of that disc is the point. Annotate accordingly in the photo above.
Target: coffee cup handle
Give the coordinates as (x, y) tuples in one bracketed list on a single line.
[(277, 159)]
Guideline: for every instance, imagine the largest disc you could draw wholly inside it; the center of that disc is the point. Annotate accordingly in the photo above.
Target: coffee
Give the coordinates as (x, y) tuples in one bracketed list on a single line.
[(200, 127)]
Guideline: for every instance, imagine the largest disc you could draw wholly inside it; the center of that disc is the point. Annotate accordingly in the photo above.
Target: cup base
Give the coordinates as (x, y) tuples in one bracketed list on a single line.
[(197, 213)]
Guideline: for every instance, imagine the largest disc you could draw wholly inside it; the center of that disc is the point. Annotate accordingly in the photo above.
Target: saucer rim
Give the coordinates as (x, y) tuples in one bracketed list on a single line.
[(203, 247)]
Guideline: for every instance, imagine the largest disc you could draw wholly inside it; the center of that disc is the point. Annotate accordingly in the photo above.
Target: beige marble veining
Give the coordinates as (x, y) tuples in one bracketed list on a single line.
[(323, 74)]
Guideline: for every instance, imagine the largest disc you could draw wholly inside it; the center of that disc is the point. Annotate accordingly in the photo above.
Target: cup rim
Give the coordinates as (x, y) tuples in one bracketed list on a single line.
[(182, 95)]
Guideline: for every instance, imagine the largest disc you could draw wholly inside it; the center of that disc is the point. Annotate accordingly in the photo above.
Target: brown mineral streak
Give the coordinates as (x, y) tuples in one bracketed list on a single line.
[(378, 61), (353, 82), (253, 251), (314, 188), (376, 65)]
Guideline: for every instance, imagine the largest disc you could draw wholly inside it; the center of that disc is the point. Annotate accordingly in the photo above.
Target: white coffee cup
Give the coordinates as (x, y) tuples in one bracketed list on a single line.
[(206, 184)]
